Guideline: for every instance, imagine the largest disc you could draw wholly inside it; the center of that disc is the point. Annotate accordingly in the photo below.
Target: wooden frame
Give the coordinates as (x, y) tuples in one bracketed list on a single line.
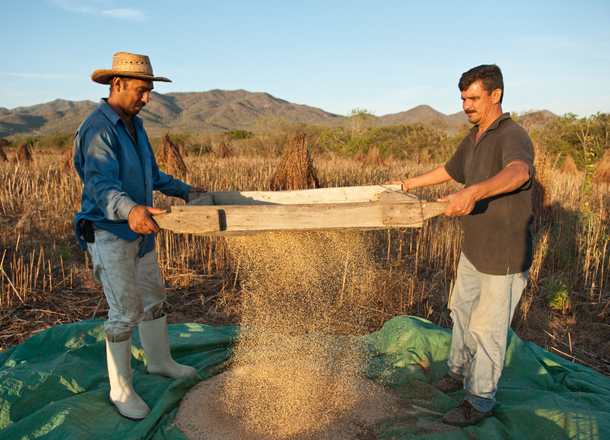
[(247, 212)]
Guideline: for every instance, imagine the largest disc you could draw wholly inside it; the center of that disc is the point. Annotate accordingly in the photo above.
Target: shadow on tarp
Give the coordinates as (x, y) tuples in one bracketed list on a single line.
[(55, 386)]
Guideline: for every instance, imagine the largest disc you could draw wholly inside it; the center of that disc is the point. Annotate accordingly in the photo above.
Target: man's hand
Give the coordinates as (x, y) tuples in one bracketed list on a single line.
[(511, 178), (196, 189), (140, 219), (403, 184), (460, 203), (193, 193)]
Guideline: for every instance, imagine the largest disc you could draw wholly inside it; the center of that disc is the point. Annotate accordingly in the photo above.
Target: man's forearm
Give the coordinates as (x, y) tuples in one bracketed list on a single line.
[(432, 177), (514, 176)]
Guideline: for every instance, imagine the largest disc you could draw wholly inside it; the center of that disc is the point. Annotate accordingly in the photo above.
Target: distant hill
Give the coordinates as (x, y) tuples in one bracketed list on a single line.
[(220, 110), (44, 119), (426, 115), (214, 110)]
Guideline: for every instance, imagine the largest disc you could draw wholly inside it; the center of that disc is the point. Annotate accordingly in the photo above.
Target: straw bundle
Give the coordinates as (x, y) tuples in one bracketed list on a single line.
[(424, 156), (296, 170), (223, 152), (68, 158), (541, 199), (569, 166), (373, 158), (359, 157), (602, 172), (169, 157), (24, 153)]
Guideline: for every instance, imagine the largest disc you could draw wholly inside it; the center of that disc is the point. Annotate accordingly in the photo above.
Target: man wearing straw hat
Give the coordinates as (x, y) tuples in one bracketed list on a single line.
[(495, 164), (115, 161)]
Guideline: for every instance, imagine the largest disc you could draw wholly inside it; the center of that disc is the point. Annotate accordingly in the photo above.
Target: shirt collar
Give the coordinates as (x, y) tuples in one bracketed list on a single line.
[(114, 116), (109, 111), (493, 125)]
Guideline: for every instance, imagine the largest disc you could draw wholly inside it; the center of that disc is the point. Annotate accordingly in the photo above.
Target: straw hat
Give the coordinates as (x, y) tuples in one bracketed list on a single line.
[(129, 65)]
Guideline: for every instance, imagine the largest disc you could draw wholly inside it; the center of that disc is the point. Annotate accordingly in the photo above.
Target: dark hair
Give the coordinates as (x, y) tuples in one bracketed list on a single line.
[(489, 74), (125, 80)]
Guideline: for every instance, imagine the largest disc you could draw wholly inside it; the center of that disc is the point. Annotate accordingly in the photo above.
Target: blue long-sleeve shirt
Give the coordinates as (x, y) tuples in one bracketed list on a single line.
[(118, 173)]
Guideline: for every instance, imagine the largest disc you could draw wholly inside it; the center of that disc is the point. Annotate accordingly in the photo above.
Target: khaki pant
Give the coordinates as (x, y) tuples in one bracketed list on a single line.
[(133, 286)]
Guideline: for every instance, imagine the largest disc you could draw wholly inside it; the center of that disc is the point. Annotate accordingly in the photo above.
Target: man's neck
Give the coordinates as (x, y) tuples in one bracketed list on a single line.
[(119, 111), (128, 120), (483, 126)]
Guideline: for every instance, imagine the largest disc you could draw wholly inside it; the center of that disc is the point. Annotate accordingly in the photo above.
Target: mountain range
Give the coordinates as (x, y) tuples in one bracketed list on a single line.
[(196, 112)]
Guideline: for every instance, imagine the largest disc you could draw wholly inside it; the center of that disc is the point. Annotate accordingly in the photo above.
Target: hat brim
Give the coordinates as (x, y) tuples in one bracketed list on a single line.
[(104, 76)]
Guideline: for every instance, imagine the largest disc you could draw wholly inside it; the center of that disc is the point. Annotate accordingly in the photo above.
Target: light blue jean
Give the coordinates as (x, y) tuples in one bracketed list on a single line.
[(133, 286), (482, 307)]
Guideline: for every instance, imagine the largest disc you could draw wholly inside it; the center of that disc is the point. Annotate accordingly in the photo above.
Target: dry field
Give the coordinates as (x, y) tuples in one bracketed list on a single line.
[(46, 280)]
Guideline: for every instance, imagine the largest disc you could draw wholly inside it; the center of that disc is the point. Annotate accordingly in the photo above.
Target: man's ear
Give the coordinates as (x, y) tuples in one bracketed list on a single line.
[(496, 95), (115, 83)]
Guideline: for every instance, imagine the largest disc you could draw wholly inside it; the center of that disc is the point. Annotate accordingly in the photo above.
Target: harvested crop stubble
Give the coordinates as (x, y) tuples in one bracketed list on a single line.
[(296, 170), (290, 379)]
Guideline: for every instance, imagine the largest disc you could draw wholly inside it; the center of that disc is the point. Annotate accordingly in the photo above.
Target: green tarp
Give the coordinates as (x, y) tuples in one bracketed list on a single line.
[(55, 386)]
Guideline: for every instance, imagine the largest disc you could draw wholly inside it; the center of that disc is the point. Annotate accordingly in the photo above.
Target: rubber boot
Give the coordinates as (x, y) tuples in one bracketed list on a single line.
[(155, 342), (122, 395)]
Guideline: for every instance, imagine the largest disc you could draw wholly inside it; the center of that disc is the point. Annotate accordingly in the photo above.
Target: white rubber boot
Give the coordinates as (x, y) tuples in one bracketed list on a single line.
[(122, 395), (155, 342)]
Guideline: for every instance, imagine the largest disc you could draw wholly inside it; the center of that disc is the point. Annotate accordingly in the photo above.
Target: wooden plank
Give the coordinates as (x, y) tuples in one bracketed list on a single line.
[(200, 199), (432, 209), (189, 221), (399, 214), (352, 194), (247, 212), (246, 219)]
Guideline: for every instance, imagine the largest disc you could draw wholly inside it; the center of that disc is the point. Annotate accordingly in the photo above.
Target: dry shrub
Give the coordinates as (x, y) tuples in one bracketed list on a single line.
[(373, 158), (359, 157), (169, 157), (569, 166), (296, 170), (602, 172), (223, 152), (24, 153)]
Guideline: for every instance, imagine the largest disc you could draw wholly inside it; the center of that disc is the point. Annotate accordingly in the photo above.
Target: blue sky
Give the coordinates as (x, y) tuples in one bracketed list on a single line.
[(383, 56)]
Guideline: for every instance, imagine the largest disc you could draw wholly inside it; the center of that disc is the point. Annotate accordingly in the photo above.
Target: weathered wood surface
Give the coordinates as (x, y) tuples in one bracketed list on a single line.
[(349, 194), (241, 213)]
